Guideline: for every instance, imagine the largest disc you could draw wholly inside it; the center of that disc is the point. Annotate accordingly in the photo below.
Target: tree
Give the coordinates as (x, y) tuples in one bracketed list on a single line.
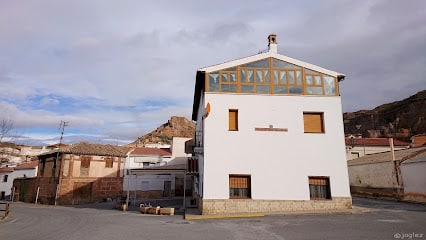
[(6, 127)]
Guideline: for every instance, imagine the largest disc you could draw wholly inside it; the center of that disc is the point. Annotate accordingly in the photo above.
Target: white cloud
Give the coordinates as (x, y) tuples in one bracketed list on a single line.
[(86, 62)]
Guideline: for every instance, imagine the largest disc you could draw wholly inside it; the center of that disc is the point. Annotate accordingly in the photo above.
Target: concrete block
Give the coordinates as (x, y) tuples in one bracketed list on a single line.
[(144, 210), (167, 211), (153, 210)]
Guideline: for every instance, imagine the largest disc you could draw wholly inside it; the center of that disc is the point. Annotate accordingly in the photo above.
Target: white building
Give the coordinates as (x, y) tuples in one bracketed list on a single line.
[(269, 136), (156, 172), (358, 147), (8, 174)]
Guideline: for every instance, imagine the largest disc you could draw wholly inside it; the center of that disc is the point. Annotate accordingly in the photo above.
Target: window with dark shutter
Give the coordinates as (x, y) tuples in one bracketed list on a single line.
[(239, 186), (109, 162), (319, 188)]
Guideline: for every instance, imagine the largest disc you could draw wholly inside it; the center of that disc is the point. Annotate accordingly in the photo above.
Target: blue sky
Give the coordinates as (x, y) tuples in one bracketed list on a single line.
[(116, 70)]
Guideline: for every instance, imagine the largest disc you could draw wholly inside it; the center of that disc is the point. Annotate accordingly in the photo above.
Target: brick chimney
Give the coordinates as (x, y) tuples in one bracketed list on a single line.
[(272, 43)]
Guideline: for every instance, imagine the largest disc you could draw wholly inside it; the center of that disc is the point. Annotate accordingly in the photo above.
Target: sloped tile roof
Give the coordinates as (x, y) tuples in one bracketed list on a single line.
[(30, 165), (400, 155), (375, 142), (85, 148), (6, 169), (151, 151)]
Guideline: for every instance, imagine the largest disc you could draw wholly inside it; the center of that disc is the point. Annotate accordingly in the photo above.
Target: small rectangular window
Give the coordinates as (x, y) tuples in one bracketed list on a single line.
[(146, 164), (84, 166), (233, 120), (319, 188), (5, 177), (109, 161), (313, 122), (85, 162), (239, 186)]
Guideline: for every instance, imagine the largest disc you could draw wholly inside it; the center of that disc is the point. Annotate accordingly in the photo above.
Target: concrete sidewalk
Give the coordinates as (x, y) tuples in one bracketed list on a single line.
[(194, 214)]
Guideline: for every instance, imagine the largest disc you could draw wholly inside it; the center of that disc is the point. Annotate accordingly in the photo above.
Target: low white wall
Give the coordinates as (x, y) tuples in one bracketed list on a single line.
[(414, 178), (376, 175)]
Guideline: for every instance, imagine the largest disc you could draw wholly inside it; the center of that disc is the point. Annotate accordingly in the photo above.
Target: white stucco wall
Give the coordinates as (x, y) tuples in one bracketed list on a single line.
[(279, 162), (375, 175), (17, 173), (362, 151), (178, 147), (414, 177), (155, 182)]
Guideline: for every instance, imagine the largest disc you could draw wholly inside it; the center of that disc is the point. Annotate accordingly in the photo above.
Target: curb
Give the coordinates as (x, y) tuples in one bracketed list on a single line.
[(250, 215), (204, 217)]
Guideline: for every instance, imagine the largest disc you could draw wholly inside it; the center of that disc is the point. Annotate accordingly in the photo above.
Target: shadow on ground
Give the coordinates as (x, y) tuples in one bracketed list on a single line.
[(176, 203), (387, 204)]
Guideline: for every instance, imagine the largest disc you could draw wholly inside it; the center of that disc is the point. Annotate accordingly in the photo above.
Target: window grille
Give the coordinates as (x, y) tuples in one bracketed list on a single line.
[(239, 186), (319, 188)]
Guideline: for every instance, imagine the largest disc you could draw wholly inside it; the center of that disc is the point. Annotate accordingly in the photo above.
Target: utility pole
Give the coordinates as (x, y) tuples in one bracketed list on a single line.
[(62, 126)]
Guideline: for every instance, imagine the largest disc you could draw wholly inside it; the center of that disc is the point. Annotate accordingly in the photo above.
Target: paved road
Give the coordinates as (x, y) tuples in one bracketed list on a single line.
[(385, 220)]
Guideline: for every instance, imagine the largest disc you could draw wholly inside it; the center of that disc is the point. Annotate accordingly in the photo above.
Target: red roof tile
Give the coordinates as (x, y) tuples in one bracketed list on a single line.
[(29, 165), (6, 169), (151, 151), (375, 142)]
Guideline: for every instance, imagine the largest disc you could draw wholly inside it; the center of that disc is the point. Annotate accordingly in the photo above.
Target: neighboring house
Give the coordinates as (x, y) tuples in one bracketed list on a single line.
[(357, 147), (398, 175), (156, 172), (79, 173), (9, 154), (141, 157), (418, 140), (12, 154), (269, 136), (5, 182), (9, 174)]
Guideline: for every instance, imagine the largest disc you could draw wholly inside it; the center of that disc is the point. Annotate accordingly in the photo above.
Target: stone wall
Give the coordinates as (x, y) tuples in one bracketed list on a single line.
[(218, 206), (25, 189), (99, 189)]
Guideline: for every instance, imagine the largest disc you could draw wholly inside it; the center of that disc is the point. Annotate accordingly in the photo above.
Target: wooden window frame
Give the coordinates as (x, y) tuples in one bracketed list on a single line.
[(233, 123), (319, 188), (241, 82), (85, 161), (239, 186), (307, 122), (109, 162), (85, 166)]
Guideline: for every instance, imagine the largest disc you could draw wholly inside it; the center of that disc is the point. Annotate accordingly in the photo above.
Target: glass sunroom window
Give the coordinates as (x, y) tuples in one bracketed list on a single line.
[(247, 88), (259, 76), (214, 82), (329, 85), (281, 64), (229, 88), (271, 76), (258, 64)]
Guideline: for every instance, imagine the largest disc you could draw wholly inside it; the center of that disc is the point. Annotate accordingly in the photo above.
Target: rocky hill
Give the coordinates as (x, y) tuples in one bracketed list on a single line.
[(175, 127), (400, 119)]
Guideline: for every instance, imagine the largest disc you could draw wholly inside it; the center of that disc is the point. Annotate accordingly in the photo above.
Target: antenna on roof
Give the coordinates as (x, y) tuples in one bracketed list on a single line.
[(62, 126)]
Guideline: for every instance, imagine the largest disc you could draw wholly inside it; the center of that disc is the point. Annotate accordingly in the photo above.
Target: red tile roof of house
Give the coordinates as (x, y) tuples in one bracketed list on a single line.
[(30, 165), (151, 151), (6, 169), (375, 142)]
